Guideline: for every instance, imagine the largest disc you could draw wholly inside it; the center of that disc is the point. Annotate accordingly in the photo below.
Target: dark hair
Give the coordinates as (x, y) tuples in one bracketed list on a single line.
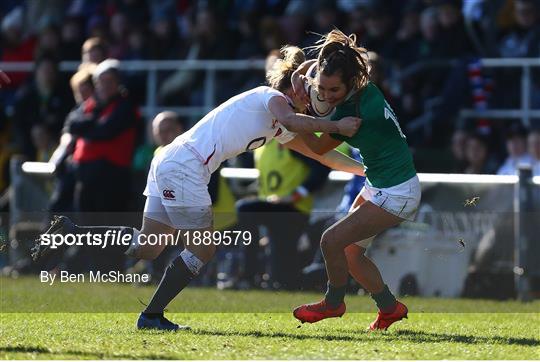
[(339, 54)]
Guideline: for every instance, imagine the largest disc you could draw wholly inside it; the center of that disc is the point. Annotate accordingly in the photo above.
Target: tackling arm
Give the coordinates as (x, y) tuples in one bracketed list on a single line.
[(332, 158), (319, 145), (297, 122)]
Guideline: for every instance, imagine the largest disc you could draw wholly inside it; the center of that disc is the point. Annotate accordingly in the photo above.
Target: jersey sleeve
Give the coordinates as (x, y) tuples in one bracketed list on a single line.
[(268, 94), (283, 135)]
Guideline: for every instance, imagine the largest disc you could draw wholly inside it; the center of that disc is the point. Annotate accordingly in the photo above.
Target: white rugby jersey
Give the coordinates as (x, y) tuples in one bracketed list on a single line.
[(242, 123)]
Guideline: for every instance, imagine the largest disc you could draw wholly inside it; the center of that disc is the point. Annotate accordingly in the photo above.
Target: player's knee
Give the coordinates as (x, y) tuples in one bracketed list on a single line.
[(350, 254), (354, 251), (326, 240)]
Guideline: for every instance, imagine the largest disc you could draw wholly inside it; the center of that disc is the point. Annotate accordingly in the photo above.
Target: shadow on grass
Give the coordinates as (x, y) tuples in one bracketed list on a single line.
[(417, 336), (24, 349), (83, 354), (413, 336)]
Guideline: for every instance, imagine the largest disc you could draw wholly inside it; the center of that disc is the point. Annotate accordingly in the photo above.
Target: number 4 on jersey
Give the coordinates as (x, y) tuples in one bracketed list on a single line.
[(389, 114)]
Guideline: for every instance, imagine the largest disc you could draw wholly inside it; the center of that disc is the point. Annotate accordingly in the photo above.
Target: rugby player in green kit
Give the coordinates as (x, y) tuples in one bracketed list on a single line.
[(392, 191)]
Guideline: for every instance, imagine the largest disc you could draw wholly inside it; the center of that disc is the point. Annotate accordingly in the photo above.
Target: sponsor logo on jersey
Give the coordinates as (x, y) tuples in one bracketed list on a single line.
[(168, 194)]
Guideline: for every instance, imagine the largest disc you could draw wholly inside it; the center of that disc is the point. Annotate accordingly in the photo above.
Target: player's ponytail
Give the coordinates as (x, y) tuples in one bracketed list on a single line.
[(279, 75), (338, 53)]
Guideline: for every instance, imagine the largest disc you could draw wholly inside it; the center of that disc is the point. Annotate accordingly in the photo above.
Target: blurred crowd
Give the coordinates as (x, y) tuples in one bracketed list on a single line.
[(425, 59), (450, 35)]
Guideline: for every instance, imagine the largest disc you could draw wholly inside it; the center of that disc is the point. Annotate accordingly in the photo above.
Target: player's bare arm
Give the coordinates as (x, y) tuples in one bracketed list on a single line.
[(296, 122), (319, 145), (333, 159)]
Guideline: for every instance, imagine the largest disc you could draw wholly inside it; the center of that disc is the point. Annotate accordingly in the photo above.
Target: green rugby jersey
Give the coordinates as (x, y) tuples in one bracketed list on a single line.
[(383, 146)]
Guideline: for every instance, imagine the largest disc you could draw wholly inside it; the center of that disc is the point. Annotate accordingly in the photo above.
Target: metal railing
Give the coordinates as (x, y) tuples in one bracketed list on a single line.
[(210, 67), (524, 113)]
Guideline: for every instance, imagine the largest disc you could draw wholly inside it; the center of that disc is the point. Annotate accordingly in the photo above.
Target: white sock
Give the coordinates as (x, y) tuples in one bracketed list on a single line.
[(193, 263)]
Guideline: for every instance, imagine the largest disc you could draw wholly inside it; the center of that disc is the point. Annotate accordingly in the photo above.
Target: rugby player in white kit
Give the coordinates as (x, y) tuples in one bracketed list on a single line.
[(177, 185)]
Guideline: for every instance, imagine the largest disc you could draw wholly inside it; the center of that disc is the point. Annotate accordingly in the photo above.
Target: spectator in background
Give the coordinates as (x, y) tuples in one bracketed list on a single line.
[(516, 147), (325, 16), (533, 144), (294, 22), (81, 83), (97, 27), (379, 35), (458, 146), (82, 89), (207, 42), (49, 40), (137, 49), (455, 42), (106, 134), (477, 155), (136, 11), (106, 128), (166, 126), (17, 46), (522, 39), (248, 48), (137, 42), (43, 141), (271, 35), (72, 39), (41, 13), (419, 87), (409, 36), (429, 28), (356, 21), (45, 101), (378, 75), (165, 41), (119, 33), (94, 50)]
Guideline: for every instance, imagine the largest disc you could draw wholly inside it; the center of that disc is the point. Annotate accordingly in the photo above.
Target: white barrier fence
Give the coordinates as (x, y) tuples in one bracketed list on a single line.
[(210, 67), (411, 256)]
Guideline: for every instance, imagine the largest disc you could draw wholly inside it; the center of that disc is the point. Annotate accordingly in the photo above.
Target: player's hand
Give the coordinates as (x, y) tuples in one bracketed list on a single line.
[(4, 79), (298, 82), (348, 126)]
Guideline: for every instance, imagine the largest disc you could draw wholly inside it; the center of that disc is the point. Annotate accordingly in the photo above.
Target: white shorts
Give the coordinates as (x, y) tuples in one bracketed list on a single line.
[(177, 190), (401, 200)]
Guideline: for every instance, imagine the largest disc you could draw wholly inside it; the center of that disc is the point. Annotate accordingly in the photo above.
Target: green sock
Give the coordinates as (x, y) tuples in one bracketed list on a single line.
[(386, 302), (334, 295)]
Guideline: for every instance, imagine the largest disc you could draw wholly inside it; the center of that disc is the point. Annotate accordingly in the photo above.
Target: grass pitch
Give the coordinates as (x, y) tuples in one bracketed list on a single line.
[(259, 326)]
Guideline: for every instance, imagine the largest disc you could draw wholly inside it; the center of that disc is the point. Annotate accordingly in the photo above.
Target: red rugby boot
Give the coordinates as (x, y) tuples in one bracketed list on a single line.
[(385, 320), (315, 312)]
